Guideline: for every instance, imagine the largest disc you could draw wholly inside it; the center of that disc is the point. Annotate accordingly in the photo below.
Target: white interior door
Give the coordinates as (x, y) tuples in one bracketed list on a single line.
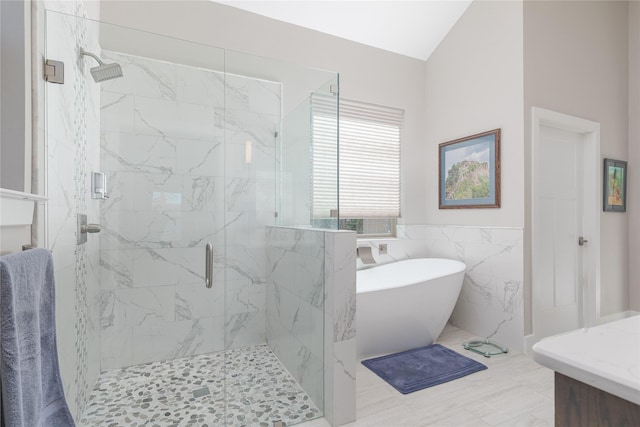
[(558, 225), (566, 205)]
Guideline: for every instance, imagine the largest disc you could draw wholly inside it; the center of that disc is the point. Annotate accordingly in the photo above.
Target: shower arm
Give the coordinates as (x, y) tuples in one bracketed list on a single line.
[(84, 52)]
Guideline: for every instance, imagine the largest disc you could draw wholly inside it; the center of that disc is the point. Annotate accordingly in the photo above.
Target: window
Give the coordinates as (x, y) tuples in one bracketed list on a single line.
[(369, 164)]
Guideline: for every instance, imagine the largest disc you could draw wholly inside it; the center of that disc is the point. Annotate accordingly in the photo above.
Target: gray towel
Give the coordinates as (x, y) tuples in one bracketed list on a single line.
[(32, 394)]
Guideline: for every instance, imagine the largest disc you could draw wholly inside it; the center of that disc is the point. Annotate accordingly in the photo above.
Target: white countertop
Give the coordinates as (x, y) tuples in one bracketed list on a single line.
[(605, 356)]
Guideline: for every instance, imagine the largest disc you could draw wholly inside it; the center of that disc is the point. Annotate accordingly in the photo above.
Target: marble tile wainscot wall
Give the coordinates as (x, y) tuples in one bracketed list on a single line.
[(295, 304), (303, 262), (491, 302), (340, 327)]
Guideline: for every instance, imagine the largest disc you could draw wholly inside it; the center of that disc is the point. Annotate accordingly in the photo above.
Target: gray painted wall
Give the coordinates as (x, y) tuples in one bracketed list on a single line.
[(14, 116), (575, 56), (633, 192), (474, 83)]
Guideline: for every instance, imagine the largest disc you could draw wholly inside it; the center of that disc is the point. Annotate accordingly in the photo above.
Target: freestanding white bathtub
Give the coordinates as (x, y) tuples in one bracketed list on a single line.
[(405, 304)]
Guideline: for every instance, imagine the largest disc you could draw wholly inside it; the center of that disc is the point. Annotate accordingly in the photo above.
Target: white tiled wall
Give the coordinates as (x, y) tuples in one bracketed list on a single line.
[(173, 144), (340, 327), (491, 303), (311, 303), (295, 304)]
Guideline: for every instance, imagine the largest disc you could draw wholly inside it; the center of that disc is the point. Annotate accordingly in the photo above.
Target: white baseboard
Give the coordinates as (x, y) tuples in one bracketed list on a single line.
[(529, 341)]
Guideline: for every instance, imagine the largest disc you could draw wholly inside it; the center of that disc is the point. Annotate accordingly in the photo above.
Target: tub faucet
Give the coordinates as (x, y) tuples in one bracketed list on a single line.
[(365, 255)]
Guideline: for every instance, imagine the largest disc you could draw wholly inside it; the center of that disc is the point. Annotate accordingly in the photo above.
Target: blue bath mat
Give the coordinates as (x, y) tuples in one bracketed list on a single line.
[(423, 367)]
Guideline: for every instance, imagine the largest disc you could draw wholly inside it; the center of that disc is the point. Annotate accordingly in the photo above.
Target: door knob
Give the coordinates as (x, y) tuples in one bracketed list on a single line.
[(582, 241)]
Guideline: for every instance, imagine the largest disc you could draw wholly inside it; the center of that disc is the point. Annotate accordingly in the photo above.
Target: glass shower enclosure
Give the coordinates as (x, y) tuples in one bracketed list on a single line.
[(182, 165)]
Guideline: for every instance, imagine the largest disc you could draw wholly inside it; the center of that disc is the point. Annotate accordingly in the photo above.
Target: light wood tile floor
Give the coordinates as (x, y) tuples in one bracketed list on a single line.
[(513, 391)]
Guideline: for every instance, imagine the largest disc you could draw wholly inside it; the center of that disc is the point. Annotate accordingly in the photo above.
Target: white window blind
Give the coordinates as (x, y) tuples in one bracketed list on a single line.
[(369, 158)]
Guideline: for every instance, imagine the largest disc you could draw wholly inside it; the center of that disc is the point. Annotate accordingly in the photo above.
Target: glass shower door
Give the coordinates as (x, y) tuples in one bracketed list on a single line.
[(164, 156), (250, 122), (134, 301), (274, 325)]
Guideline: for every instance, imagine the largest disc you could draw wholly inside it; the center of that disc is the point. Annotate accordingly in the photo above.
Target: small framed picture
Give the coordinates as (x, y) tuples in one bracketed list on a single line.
[(614, 186), (470, 172)]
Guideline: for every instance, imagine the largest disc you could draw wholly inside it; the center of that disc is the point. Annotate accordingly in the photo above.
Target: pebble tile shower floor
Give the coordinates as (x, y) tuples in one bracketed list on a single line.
[(190, 392)]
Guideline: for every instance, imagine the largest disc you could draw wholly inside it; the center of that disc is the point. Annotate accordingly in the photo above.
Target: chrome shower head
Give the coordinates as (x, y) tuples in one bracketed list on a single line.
[(103, 71), (106, 72)]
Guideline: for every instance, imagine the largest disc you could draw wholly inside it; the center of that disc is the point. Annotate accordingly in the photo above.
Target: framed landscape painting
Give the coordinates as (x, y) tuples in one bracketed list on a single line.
[(469, 172), (614, 186)]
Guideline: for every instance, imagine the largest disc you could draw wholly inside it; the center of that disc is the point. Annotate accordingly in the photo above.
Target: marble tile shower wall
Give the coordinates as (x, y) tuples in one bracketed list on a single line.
[(72, 125), (173, 143), (491, 303), (340, 326), (295, 305), (311, 308)]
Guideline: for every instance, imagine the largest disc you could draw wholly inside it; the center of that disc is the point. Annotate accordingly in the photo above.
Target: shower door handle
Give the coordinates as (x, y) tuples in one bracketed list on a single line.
[(208, 266)]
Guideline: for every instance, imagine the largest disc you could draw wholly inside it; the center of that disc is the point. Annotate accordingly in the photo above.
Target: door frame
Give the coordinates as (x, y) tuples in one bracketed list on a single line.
[(590, 132)]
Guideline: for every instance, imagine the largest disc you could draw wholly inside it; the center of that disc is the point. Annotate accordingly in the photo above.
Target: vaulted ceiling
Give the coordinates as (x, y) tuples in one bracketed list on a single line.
[(411, 28)]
